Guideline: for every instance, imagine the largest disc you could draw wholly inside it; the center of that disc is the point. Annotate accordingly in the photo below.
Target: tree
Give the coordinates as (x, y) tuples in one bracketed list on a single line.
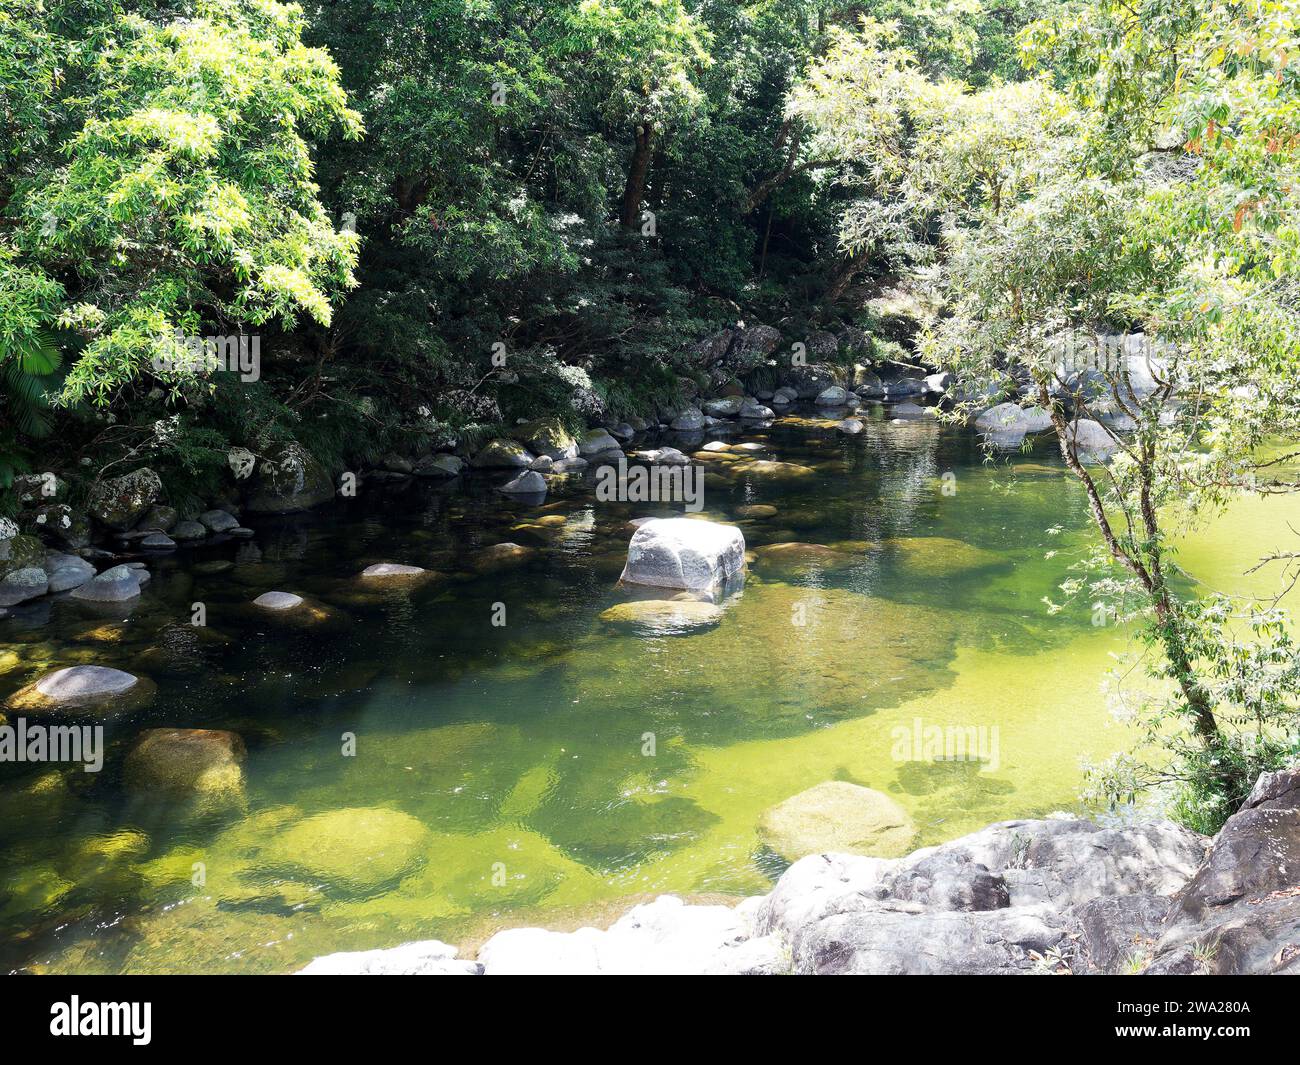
[(160, 178), (1122, 253)]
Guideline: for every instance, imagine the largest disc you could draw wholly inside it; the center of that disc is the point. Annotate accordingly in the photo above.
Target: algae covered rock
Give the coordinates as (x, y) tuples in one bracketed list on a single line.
[(548, 437), (500, 557), (356, 849), (190, 763), (661, 617), (799, 558), (942, 556), (778, 472), (502, 453), (838, 817)]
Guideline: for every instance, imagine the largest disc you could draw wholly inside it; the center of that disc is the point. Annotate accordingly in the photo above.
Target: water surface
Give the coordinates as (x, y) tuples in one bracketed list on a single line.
[(520, 750)]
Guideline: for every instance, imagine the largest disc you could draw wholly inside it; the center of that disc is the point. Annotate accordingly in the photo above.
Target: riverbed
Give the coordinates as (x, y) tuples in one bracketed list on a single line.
[(551, 766)]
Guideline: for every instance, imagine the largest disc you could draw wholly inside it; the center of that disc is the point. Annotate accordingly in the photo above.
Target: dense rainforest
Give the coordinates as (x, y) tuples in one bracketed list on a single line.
[(439, 217), (480, 211)]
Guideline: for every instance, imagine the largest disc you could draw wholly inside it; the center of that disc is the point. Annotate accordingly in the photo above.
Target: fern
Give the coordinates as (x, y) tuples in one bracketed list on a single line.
[(24, 371)]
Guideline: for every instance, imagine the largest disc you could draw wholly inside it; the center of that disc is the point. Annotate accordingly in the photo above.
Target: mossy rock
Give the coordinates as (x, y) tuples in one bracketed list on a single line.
[(661, 617), (106, 858), (358, 850), (506, 867), (941, 556), (500, 557), (800, 558), (31, 891), (838, 818), (501, 454), (777, 472), (548, 436), (20, 552), (200, 765)]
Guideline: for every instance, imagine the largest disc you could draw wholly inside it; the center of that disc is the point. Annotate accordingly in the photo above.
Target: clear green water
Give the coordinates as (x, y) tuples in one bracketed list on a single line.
[(520, 748)]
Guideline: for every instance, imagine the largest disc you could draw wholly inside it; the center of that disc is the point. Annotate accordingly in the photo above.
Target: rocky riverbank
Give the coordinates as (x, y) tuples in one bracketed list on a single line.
[(71, 534), (1055, 896)]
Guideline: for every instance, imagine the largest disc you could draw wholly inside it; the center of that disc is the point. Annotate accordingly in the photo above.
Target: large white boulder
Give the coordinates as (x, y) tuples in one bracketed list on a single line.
[(684, 553), (428, 957), (661, 938)]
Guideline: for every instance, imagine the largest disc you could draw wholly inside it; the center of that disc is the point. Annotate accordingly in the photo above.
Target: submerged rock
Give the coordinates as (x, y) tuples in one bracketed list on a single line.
[(792, 558), (1058, 895), (500, 557), (841, 817), (684, 553), (190, 763), (777, 472), (662, 617), (942, 556), (359, 850)]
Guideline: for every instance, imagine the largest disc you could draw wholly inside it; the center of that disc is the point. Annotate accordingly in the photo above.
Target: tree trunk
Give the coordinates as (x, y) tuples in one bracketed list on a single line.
[(634, 192)]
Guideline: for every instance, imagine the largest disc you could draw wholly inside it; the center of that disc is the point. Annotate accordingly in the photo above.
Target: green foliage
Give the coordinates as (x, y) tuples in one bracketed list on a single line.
[(169, 174), (1143, 181)]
